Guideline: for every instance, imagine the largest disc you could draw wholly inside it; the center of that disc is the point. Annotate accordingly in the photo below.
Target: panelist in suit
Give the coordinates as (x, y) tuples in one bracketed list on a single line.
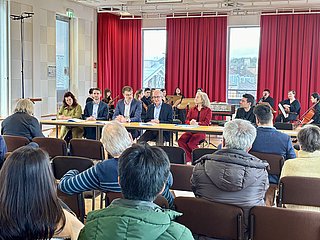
[(128, 109), (158, 112), (95, 110)]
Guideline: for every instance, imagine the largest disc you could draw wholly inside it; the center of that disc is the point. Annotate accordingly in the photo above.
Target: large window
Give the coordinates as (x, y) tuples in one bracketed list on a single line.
[(243, 62), (3, 58), (62, 56), (154, 49)]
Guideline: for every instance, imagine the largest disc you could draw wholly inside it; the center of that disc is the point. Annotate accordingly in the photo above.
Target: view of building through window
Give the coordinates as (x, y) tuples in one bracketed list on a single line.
[(62, 57), (243, 62), (154, 50)]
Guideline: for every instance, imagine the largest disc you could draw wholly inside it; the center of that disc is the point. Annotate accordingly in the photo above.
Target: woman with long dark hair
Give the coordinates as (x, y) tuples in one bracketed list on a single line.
[(70, 109), (180, 113), (29, 205)]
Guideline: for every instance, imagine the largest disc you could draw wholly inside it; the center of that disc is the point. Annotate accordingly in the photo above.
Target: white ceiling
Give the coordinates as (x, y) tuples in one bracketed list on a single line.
[(162, 8)]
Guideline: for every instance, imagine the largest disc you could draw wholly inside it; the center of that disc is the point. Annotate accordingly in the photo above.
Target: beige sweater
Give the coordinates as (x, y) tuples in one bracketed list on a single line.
[(72, 227), (306, 165)]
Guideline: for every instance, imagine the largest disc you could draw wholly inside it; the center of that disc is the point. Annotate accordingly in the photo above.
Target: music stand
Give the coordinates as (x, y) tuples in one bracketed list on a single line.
[(186, 102)]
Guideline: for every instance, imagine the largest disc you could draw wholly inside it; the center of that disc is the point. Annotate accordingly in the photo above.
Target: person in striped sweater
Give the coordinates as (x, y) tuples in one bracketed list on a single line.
[(104, 175)]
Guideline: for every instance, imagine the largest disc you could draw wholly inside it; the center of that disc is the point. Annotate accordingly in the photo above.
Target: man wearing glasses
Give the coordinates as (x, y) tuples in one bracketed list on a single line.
[(158, 112), (128, 109)]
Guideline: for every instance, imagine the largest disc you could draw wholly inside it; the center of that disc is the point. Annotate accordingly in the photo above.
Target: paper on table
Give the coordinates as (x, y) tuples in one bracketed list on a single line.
[(186, 126), (75, 120)]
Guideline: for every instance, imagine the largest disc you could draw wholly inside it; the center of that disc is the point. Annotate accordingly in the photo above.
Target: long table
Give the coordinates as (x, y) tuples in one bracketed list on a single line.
[(214, 130)]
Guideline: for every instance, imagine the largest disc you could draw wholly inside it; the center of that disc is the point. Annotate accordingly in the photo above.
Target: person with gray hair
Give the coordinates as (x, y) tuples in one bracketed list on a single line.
[(143, 173), (307, 164), (232, 175), (104, 175), (22, 122)]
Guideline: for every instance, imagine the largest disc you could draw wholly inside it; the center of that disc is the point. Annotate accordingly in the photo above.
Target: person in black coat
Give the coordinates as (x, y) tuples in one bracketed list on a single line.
[(245, 111), (158, 112), (266, 98), (291, 106)]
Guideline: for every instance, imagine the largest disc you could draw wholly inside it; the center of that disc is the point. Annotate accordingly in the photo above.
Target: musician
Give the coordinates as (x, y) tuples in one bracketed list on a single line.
[(164, 98), (291, 106), (315, 98), (245, 111), (266, 98), (108, 99), (181, 113)]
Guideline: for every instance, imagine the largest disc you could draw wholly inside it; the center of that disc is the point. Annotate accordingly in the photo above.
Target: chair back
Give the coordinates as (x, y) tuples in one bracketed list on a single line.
[(87, 148), (75, 202), (110, 196), (275, 161), (278, 223), (62, 164), (14, 142), (176, 154), (299, 191), (210, 219), (181, 174), (199, 152), (54, 146)]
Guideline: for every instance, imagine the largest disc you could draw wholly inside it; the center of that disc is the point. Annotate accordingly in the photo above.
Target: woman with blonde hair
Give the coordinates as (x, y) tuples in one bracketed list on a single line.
[(199, 115), (30, 208), (22, 122)]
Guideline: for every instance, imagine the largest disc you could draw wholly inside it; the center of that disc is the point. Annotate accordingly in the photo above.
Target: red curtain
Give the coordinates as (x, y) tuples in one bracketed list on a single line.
[(196, 56), (119, 53), (290, 56)]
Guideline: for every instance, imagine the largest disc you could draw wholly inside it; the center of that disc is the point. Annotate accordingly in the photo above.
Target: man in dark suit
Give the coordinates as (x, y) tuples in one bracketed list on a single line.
[(128, 109), (245, 111), (95, 110), (158, 112)]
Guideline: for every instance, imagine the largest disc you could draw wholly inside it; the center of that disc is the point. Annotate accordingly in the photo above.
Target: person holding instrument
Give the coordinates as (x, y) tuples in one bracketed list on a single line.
[(312, 115), (291, 107), (266, 98)]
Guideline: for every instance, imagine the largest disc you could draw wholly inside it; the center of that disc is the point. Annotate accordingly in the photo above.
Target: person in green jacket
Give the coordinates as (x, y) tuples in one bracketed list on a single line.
[(70, 109), (143, 172)]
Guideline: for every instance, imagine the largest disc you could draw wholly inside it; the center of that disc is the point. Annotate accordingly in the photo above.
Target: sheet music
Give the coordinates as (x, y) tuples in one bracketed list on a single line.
[(283, 111)]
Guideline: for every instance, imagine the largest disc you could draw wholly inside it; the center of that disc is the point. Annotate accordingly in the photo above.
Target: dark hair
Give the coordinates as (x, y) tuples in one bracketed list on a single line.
[(138, 92), (309, 138), (96, 89), (249, 98), (266, 90), (91, 90), (106, 91), (126, 89), (175, 91), (28, 200), (147, 89), (69, 94), (316, 95), (293, 92), (143, 171), (263, 113), (199, 89), (162, 89)]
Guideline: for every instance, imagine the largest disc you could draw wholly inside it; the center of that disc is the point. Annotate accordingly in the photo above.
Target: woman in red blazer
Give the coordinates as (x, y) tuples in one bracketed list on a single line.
[(198, 115)]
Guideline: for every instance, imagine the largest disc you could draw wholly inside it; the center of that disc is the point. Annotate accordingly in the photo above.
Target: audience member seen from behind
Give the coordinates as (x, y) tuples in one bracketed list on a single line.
[(245, 111), (29, 205), (70, 109), (232, 175), (104, 175), (307, 164), (199, 115), (269, 139), (22, 122), (143, 173), (3, 150)]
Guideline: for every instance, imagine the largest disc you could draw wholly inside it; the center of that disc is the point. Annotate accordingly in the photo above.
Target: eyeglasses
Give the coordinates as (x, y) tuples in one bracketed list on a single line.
[(156, 96)]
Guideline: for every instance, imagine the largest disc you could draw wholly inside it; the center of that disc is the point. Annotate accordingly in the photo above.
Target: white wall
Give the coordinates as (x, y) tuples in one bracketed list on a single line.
[(40, 35)]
